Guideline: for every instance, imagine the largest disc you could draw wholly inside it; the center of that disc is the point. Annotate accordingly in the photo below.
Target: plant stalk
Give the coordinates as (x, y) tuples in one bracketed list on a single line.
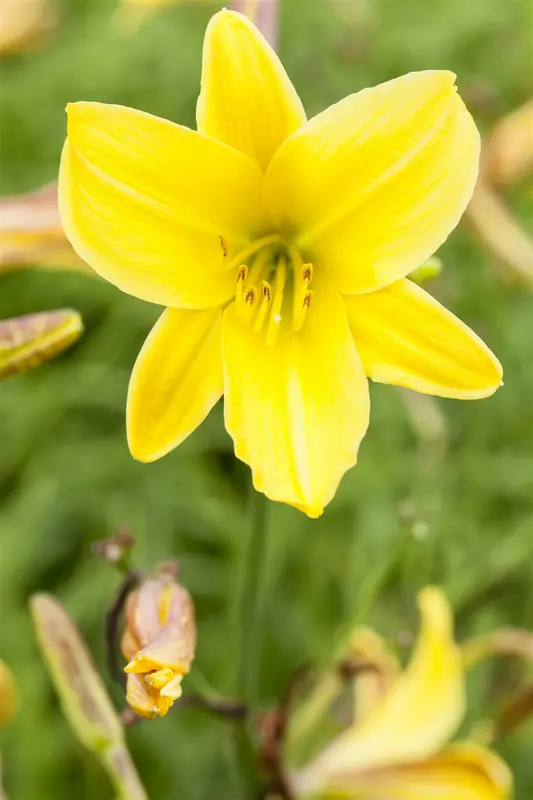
[(251, 615), (122, 772)]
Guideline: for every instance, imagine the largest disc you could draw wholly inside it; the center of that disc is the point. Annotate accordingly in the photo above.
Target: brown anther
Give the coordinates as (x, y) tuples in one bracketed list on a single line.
[(223, 246), (242, 273), (267, 291), (251, 296), (307, 272), (307, 299)]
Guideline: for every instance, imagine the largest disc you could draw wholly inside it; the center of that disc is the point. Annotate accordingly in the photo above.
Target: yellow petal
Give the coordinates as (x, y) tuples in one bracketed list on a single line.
[(461, 772), (139, 698), (247, 99), (145, 202), (296, 410), (371, 187), (419, 713), (405, 337), (176, 381)]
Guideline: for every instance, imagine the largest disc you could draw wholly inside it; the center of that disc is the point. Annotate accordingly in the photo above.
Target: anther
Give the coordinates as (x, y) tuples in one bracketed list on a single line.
[(301, 313), (301, 297), (266, 292), (250, 299), (223, 245)]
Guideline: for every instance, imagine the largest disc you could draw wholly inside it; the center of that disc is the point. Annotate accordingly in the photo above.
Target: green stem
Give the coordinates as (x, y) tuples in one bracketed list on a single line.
[(122, 773), (251, 613)]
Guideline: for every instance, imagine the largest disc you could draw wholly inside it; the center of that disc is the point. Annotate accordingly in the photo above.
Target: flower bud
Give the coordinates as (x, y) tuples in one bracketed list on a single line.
[(23, 24), (159, 642), (27, 342)]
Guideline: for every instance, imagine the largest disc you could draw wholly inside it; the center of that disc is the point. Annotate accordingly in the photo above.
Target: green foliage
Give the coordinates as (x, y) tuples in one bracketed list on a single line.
[(66, 477)]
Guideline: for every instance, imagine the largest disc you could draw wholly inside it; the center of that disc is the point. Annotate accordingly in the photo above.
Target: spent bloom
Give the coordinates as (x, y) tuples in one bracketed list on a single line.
[(159, 641), (23, 24), (280, 247), (398, 747)]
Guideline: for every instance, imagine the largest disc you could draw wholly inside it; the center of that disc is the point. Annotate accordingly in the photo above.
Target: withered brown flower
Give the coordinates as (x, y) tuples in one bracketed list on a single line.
[(159, 641)]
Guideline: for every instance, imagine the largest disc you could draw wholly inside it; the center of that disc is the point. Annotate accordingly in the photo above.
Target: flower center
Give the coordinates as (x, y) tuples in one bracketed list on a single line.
[(272, 286)]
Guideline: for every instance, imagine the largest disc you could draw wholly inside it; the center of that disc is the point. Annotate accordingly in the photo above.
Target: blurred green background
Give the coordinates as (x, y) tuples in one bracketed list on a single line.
[(454, 508)]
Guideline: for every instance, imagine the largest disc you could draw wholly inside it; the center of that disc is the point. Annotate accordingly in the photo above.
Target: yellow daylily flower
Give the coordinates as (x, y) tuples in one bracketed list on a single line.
[(398, 750), (280, 247)]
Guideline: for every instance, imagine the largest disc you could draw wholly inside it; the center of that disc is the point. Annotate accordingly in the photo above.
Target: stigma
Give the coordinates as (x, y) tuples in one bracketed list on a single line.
[(273, 288)]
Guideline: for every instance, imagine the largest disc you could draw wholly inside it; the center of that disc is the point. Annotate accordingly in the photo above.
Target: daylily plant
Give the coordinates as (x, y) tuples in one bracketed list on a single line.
[(397, 750), (281, 249)]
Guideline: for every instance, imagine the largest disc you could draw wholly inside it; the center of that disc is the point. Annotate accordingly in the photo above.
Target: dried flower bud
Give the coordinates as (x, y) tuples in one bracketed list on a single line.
[(26, 342), (22, 25), (159, 642), (8, 694), (83, 695)]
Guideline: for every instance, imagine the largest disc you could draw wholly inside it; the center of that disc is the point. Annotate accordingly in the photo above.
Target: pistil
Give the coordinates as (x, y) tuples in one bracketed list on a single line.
[(277, 303)]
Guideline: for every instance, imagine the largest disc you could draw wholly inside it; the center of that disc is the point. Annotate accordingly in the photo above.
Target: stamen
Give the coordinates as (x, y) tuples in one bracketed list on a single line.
[(257, 267), (277, 302), (299, 319), (264, 307), (299, 308), (254, 247), (307, 272), (239, 294), (223, 245), (250, 300)]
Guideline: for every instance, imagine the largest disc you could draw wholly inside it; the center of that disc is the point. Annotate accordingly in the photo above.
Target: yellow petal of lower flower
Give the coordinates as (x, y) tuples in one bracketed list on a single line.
[(405, 337), (296, 410), (461, 772), (176, 381), (247, 99), (139, 698), (418, 714), (373, 185), (147, 204)]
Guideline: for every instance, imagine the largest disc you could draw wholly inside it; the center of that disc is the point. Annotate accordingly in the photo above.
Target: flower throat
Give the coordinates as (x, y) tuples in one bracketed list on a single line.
[(272, 284)]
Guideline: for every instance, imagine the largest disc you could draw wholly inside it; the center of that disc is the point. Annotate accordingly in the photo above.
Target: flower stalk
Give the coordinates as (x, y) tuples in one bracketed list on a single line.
[(251, 613)]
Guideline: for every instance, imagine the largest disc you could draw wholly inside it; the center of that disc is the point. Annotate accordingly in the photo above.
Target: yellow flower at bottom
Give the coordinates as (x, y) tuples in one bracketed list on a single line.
[(281, 249), (399, 750), (159, 641)]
